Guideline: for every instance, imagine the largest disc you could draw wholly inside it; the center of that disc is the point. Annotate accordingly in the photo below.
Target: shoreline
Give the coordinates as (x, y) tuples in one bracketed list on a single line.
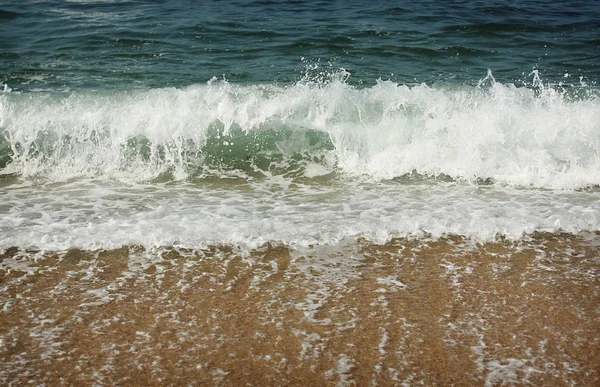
[(410, 311)]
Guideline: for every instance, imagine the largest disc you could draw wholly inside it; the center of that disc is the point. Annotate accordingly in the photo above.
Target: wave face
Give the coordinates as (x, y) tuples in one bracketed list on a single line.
[(540, 137)]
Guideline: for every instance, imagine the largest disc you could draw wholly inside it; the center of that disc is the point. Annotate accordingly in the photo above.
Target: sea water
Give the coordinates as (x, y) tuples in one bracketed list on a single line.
[(303, 123)]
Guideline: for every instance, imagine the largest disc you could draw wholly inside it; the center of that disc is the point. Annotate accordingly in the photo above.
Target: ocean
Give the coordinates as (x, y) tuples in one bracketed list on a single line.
[(332, 134)]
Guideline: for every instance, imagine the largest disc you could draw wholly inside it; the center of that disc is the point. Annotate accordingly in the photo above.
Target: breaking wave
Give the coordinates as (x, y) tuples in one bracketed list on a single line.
[(539, 136)]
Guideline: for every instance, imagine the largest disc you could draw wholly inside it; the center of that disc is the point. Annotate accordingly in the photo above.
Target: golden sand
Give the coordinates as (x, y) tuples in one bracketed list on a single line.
[(406, 313)]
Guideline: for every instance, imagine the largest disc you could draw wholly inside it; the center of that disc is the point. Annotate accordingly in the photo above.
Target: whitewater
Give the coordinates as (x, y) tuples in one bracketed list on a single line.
[(315, 162)]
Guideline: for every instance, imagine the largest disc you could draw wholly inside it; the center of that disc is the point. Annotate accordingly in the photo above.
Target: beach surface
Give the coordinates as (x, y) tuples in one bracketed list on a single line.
[(409, 312)]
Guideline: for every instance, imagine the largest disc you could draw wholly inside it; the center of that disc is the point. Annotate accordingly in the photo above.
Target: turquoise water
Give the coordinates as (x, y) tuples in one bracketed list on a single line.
[(301, 122)]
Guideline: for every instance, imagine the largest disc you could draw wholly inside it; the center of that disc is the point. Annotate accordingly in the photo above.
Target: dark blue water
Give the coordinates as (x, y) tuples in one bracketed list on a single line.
[(70, 45)]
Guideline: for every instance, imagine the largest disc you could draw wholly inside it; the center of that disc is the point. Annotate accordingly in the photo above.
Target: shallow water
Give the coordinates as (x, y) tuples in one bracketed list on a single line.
[(406, 312)]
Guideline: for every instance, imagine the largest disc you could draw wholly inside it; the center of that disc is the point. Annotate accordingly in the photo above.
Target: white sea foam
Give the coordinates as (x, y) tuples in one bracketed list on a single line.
[(85, 163), (92, 216), (517, 136)]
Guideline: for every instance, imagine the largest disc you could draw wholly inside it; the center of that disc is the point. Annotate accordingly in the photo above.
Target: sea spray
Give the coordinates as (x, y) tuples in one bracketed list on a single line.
[(507, 134)]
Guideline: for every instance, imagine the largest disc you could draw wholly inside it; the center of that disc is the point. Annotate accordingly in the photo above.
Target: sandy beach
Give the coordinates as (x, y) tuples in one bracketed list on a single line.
[(409, 312)]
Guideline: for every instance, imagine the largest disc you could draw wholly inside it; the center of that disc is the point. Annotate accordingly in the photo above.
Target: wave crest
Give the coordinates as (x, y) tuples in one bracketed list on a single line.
[(541, 137)]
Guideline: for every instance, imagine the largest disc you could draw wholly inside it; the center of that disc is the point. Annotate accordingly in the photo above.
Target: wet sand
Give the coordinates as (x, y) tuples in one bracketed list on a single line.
[(411, 312)]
